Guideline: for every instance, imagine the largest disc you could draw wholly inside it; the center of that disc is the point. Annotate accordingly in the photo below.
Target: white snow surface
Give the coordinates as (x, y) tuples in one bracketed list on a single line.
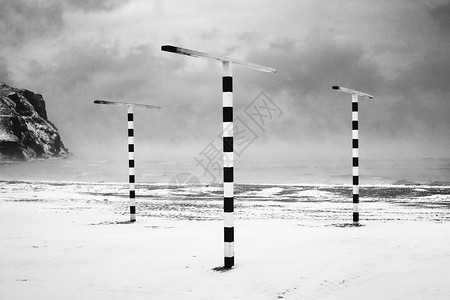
[(72, 241), (265, 192)]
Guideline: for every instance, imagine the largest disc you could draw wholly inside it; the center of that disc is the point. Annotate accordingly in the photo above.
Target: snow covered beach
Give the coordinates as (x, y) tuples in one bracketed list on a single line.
[(71, 240)]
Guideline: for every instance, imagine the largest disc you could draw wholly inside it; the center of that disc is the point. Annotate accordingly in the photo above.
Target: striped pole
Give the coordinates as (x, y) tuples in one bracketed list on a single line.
[(131, 176), (355, 154), (228, 160), (131, 164), (228, 164), (355, 147)]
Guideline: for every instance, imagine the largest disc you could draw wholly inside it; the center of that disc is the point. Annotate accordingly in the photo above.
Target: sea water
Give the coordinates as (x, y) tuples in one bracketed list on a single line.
[(420, 171)]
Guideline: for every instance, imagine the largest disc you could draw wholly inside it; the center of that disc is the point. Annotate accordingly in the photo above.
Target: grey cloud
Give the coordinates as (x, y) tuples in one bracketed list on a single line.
[(441, 14), (80, 74), (97, 5), (302, 85), (313, 66), (210, 34), (422, 96), (4, 72), (22, 20), (414, 105), (430, 74)]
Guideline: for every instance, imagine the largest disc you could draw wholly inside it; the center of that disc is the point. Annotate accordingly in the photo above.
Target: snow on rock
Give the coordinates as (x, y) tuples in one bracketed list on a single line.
[(25, 131)]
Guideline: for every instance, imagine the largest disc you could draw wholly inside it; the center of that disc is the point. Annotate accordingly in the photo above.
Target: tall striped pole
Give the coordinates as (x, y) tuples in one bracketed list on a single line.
[(228, 159), (131, 164), (355, 155), (131, 176), (228, 164), (355, 147)]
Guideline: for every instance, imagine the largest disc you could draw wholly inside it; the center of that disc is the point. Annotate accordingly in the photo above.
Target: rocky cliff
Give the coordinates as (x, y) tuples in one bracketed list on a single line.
[(25, 131)]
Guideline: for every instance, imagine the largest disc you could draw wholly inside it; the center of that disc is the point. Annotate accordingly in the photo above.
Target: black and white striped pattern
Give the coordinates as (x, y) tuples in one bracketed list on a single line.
[(228, 164), (355, 158), (131, 175)]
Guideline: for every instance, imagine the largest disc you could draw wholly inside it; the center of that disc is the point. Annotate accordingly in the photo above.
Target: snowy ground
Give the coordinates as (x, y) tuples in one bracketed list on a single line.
[(71, 241)]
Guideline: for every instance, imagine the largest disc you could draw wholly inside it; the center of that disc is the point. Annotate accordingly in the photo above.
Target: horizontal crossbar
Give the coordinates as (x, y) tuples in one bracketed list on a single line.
[(107, 102), (343, 89), (189, 52)]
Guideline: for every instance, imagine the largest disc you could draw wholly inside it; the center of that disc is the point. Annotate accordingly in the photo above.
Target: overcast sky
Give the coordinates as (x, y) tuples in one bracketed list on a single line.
[(75, 51)]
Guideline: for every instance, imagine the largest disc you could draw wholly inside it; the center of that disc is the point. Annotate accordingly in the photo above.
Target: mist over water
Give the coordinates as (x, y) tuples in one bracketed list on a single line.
[(423, 171)]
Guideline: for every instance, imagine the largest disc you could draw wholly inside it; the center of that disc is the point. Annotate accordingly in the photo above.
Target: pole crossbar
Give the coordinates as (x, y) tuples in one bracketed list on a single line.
[(223, 59), (107, 102), (350, 91)]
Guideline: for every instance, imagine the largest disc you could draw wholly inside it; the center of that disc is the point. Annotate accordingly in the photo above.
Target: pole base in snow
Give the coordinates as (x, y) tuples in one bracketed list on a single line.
[(221, 269), (229, 262), (355, 218)]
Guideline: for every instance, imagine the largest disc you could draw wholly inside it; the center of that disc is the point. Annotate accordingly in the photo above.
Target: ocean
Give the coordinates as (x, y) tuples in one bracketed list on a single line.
[(422, 171), (301, 190)]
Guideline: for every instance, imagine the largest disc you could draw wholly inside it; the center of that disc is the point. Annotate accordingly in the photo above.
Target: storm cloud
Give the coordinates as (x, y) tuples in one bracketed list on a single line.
[(22, 21), (441, 14), (96, 5), (4, 73), (76, 51)]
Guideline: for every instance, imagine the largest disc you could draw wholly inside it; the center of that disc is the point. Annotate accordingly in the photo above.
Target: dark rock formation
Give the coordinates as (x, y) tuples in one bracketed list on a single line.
[(25, 131)]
